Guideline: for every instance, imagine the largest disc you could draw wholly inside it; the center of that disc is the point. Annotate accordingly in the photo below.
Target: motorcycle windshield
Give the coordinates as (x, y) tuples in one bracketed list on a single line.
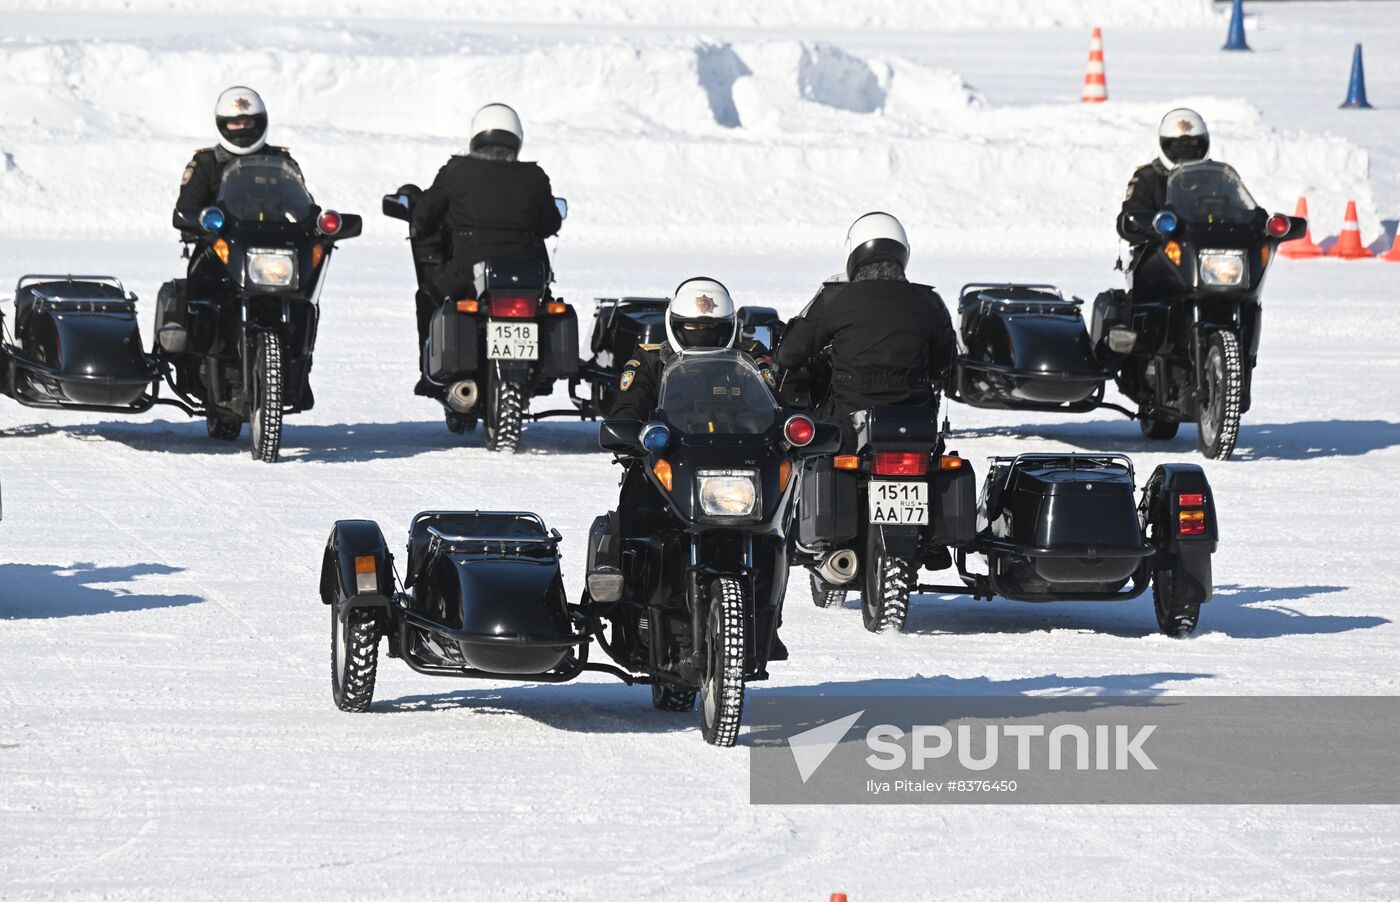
[(719, 393), (264, 189), (1209, 193)]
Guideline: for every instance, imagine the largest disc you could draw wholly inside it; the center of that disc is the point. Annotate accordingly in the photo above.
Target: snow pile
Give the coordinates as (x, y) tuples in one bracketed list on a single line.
[(924, 14), (662, 139)]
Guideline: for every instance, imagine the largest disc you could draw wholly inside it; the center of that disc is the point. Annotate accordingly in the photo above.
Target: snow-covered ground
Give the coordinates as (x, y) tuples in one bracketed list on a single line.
[(166, 728)]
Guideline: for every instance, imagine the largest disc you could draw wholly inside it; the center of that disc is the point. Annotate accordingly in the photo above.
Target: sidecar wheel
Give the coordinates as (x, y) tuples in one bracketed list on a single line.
[(505, 413), (1175, 617), (665, 697), (825, 595), (722, 691), (223, 428), (265, 420), (889, 581), (1158, 430), (459, 424), (354, 658), (1218, 425)]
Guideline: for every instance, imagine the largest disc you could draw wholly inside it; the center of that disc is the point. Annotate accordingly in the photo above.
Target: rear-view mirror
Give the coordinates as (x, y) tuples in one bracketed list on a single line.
[(397, 206), (621, 436), (562, 206)]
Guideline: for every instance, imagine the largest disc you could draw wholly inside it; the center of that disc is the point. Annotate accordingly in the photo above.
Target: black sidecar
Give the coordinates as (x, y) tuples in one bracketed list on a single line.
[(482, 597), (1055, 527), (1024, 347), (77, 345)]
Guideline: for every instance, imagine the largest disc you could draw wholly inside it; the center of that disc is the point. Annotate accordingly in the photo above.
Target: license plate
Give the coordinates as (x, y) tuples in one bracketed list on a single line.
[(512, 341), (899, 503)]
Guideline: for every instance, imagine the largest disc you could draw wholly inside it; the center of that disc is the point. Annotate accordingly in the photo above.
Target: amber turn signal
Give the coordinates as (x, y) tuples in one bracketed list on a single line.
[(662, 469), (1173, 251), (950, 462), (221, 250), (467, 306), (556, 308), (846, 462)]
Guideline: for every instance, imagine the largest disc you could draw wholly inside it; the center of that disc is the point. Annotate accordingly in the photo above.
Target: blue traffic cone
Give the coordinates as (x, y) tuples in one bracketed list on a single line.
[(1235, 39), (1356, 92)]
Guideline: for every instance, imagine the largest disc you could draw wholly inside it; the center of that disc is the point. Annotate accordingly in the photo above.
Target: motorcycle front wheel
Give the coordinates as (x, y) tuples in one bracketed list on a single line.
[(722, 691), (265, 417), (1218, 425)]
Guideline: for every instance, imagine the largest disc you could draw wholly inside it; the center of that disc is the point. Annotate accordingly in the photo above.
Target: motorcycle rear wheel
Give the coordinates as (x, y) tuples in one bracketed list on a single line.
[(889, 581), (505, 414)]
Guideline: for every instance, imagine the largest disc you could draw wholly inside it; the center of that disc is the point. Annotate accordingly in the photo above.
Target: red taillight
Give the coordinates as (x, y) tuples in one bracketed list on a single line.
[(1192, 523), (516, 307), (899, 463), (1191, 500), (328, 222), (799, 431), (1277, 225)]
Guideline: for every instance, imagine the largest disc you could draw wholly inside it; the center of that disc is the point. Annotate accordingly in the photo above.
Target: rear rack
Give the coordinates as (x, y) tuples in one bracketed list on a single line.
[(45, 300), (550, 537), (33, 278), (1075, 461)]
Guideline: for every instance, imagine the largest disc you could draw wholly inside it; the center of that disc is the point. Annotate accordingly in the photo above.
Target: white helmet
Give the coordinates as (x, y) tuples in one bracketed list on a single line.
[(701, 317), (496, 125), (1182, 138), (874, 237), (242, 120)]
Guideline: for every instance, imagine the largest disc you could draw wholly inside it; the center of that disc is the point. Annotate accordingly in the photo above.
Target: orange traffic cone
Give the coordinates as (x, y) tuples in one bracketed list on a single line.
[(1349, 246), (1393, 255), (1095, 84), (838, 897), (1300, 247)]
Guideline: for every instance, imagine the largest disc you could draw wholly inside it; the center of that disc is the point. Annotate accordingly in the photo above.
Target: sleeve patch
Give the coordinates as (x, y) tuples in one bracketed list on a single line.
[(626, 381), (189, 174)]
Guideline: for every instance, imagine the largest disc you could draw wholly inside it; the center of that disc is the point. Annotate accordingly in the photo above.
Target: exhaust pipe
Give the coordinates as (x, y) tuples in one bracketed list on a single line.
[(839, 567), (462, 396)]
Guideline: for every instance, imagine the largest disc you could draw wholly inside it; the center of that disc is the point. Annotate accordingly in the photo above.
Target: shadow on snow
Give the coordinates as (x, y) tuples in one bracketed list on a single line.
[(71, 590), (324, 443), (1263, 441), (1240, 612)]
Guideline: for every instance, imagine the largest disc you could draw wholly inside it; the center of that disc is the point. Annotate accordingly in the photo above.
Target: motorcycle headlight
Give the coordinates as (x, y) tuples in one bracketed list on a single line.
[(272, 268), (1222, 267), (728, 493)]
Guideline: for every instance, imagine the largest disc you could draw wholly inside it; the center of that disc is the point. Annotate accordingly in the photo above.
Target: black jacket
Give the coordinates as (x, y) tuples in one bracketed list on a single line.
[(199, 185), (639, 386), (891, 343), (493, 208), (1147, 193)]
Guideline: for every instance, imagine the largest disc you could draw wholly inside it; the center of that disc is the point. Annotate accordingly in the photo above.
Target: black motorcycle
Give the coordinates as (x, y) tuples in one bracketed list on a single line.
[(684, 584), (884, 513), (1184, 338), (1181, 342), (233, 340), (487, 355)]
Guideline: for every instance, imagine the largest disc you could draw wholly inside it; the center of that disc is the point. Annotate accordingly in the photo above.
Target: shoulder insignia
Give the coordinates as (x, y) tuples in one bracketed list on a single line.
[(633, 362), (189, 174), (653, 347), (626, 381), (768, 377), (1131, 186)]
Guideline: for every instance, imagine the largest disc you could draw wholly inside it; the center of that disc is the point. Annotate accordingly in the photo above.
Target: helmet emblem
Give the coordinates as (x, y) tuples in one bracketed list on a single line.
[(242, 104), (704, 304), (1184, 126)]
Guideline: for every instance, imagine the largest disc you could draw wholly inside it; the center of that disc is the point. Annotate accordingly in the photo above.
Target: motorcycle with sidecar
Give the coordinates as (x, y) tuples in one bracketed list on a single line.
[(487, 355), (1047, 527), (1181, 342), (684, 582), (234, 340)]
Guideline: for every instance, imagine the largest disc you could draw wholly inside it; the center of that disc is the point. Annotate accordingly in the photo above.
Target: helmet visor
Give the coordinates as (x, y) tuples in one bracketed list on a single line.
[(1185, 148), (242, 131), (702, 332)]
